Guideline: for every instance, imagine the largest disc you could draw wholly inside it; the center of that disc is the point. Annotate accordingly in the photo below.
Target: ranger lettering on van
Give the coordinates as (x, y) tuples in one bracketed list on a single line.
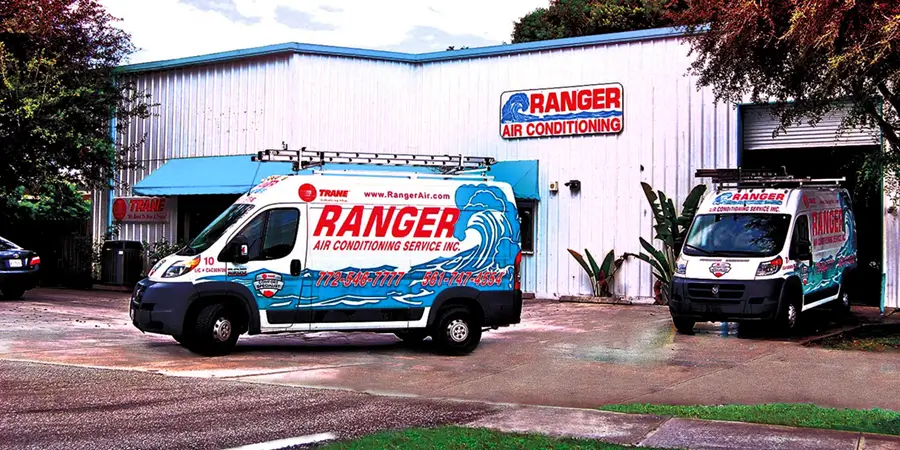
[(407, 220)]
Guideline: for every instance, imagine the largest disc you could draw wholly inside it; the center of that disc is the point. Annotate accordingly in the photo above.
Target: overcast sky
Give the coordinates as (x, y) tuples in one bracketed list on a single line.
[(166, 29)]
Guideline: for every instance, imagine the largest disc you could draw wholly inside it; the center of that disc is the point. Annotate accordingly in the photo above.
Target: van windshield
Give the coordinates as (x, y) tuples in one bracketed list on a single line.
[(216, 229), (754, 235)]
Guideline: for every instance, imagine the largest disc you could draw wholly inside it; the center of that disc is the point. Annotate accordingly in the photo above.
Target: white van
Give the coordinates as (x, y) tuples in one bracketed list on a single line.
[(764, 247), (412, 254)]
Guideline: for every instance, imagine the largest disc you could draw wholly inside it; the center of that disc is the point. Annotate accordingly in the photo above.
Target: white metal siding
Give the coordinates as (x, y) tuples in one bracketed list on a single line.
[(759, 123), (245, 106), (670, 130), (337, 103)]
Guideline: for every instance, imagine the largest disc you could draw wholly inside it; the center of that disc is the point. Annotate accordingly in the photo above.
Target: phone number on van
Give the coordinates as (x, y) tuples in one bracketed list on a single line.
[(347, 279)]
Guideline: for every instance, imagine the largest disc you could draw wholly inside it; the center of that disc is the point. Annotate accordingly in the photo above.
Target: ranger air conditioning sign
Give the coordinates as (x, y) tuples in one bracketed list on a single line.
[(565, 111)]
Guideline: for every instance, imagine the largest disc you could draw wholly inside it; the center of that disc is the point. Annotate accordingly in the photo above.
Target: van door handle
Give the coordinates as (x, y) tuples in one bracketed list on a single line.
[(295, 267)]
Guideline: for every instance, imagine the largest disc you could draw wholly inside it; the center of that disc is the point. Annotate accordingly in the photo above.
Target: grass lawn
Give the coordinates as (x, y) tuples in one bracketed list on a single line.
[(450, 437), (879, 421)]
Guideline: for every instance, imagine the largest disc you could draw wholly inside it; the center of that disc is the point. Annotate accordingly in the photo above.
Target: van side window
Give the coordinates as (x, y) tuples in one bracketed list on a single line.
[(801, 230), (281, 233), (272, 234)]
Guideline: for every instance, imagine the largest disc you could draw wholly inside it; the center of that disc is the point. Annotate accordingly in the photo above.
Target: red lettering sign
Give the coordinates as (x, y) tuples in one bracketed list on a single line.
[(140, 209)]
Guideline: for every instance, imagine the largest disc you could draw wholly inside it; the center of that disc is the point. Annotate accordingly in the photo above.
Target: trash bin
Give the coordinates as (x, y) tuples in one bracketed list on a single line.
[(121, 263)]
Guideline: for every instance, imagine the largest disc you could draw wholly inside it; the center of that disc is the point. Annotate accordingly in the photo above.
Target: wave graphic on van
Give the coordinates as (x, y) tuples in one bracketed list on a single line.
[(513, 111), (818, 280), (490, 237)]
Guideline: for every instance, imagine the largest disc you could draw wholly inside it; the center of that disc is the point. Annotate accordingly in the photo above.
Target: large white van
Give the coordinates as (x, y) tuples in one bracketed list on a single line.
[(412, 254), (764, 247)]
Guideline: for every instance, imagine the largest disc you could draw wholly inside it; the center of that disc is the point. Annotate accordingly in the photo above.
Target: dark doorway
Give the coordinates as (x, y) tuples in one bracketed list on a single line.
[(836, 163), (195, 212)]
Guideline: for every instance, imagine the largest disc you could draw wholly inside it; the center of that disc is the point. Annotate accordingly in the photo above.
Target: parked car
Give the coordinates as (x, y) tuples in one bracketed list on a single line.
[(18, 270)]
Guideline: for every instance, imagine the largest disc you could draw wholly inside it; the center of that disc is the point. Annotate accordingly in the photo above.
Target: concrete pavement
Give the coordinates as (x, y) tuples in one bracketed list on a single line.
[(49, 406), (569, 355)]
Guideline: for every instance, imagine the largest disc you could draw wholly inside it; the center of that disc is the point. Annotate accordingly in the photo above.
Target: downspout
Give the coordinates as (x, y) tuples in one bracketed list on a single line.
[(112, 136), (884, 223)]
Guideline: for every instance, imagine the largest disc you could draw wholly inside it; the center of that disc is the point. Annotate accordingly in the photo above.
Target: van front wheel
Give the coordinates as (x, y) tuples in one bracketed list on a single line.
[(458, 332), (214, 333)]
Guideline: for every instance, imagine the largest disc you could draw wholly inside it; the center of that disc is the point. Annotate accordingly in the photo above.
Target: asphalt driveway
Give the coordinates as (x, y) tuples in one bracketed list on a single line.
[(563, 354)]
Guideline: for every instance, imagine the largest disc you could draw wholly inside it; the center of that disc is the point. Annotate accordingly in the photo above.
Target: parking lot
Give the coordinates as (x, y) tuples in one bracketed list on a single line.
[(563, 354)]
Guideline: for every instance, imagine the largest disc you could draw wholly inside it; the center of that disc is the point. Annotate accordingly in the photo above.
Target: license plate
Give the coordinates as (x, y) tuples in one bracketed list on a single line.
[(15, 263)]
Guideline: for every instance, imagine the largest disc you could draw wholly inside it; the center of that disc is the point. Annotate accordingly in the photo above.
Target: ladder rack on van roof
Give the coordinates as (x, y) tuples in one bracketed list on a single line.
[(762, 178), (304, 159)]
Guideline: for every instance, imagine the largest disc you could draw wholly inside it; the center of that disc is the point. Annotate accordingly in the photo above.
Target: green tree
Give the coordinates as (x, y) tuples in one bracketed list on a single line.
[(57, 96), (572, 18), (809, 58)]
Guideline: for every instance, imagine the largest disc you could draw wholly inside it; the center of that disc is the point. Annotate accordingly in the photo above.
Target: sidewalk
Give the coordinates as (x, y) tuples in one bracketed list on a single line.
[(664, 432)]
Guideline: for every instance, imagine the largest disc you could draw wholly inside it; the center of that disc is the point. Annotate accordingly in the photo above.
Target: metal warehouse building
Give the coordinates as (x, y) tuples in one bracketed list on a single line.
[(216, 110)]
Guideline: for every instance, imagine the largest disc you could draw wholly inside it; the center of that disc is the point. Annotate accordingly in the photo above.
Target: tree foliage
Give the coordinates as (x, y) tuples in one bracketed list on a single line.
[(58, 94), (571, 18), (808, 58)]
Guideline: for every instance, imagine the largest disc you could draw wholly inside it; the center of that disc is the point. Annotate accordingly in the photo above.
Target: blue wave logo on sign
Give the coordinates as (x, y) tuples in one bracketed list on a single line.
[(568, 111)]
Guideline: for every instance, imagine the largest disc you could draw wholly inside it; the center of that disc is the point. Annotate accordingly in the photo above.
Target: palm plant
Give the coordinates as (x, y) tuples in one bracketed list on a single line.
[(601, 276), (670, 228)]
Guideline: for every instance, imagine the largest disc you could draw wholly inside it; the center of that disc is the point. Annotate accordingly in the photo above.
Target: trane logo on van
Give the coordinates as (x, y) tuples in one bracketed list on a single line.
[(334, 193), (408, 221)]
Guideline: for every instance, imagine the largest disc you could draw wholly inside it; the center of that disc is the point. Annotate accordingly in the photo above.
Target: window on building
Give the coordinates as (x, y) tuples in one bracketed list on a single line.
[(271, 234), (526, 224)]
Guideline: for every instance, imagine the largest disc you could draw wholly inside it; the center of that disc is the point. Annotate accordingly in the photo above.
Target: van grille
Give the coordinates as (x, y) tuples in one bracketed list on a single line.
[(704, 291)]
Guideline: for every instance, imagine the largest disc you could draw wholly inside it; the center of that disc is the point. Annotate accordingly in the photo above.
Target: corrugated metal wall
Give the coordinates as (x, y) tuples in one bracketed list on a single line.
[(246, 106), (670, 130)]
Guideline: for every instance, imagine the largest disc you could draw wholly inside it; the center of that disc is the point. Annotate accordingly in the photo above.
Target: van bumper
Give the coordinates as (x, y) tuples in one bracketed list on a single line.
[(501, 308), (160, 307), (733, 301)]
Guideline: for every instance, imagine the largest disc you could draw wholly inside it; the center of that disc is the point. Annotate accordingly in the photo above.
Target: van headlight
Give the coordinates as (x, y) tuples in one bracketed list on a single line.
[(179, 269), (767, 268), (681, 266)]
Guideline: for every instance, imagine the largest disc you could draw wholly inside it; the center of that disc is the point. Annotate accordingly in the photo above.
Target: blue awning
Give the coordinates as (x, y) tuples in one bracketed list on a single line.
[(208, 175), (237, 174), (521, 175)]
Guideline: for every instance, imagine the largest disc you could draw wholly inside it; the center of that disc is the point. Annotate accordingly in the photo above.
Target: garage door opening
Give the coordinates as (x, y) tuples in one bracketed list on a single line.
[(822, 151)]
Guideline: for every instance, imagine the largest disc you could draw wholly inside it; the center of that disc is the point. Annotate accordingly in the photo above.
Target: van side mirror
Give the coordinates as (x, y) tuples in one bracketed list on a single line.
[(237, 251), (802, 251)]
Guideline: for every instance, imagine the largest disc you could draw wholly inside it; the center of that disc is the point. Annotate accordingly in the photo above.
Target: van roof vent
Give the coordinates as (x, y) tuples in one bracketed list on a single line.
[(304, 159), (761, 178)]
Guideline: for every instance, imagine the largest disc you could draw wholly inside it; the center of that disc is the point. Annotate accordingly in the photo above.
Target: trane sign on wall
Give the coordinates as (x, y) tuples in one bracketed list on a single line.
[(563, 111), (140, 209)]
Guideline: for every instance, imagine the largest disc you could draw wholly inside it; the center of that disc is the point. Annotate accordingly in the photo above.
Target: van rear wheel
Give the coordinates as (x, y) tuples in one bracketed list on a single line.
[(215, 331), (458, 331)]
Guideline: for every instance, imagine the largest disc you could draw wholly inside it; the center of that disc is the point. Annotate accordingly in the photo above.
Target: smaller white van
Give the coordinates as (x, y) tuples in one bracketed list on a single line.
[(412, 254), (764, 247)]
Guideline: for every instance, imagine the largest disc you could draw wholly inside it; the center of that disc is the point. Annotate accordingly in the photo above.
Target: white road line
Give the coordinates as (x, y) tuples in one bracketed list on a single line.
[(289, 442)]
